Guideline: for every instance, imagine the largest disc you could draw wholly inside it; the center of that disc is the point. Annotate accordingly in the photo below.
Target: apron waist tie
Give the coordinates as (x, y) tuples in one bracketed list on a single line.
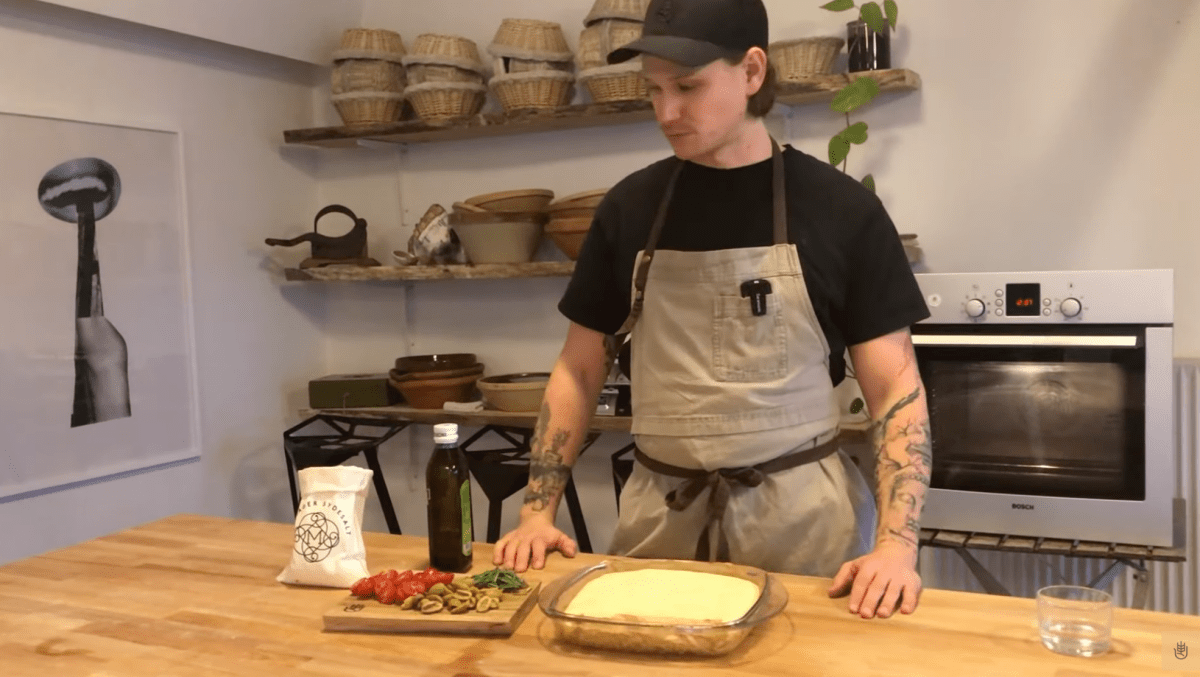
[(711, 546)]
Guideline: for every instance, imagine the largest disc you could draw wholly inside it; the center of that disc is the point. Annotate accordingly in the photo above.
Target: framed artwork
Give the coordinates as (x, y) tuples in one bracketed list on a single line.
[(97, 365)]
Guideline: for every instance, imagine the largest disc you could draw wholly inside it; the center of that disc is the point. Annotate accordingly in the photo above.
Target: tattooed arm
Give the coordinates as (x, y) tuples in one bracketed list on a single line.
[(887, 373), (886, 578), (567, 409)]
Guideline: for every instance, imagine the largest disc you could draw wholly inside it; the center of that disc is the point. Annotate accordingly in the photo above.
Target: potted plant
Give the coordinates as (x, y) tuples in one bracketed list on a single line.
[(868, 43)]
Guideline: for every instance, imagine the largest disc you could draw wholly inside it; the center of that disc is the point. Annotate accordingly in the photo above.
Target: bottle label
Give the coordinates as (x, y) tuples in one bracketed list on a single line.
[(464, 495)]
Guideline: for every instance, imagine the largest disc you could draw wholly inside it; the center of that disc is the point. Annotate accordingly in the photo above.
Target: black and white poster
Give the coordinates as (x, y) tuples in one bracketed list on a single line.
[(96, 360)]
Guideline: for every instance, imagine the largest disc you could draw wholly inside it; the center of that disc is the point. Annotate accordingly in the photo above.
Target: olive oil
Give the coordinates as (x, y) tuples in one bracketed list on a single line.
[(448, 490)]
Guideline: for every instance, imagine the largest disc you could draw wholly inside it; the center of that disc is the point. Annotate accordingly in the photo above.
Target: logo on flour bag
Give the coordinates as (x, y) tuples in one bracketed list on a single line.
[(316, 536)]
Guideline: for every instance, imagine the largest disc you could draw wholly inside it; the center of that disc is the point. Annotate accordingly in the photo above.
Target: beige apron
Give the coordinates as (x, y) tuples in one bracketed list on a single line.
[(716, 389)]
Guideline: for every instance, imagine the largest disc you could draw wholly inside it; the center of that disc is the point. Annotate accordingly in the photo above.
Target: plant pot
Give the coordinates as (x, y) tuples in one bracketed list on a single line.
[(867, 50)]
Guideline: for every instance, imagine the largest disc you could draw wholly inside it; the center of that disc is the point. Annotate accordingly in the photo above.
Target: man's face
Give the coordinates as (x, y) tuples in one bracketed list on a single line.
[(699, 110)]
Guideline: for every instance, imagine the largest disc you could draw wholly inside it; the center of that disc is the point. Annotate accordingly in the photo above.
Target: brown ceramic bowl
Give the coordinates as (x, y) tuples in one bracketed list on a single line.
[(438, 362), (402, 376), (527, 200), (514, 392), (435, 393), (569, 234)]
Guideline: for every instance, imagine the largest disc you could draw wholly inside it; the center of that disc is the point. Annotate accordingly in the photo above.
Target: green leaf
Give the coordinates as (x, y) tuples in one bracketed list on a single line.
[(839, 148), (855, 133), (869, 182), (873, 15), (858, 93), (857, 405), (892, 12), (838, 5)]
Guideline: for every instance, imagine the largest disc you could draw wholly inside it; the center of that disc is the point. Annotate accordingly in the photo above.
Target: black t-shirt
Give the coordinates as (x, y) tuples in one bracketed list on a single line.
[(855, 268)]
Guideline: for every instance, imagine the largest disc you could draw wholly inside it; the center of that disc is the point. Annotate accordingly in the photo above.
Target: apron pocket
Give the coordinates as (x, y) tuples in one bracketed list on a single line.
[(748, 347)]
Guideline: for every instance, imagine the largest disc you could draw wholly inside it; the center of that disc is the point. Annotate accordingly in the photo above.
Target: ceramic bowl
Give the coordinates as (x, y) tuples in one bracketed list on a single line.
[(587, 199), (499, 237), (527, 200), (569, 234), (514, 392), (402, 376), (435, 393), (437, 362)]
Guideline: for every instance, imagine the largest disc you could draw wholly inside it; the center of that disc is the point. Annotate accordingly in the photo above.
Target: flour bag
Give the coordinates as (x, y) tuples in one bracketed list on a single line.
[(328, 549)]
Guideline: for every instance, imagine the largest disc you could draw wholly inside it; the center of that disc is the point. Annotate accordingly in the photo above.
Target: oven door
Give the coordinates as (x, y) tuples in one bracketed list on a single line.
[(1036, 411)]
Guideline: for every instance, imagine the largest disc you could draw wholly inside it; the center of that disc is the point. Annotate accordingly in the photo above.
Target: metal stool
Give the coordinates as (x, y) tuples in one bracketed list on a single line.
[(505, 471), (307, 451)]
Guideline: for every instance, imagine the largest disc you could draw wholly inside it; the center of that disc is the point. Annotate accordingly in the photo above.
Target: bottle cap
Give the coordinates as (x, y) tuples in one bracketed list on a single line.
[(445, 433)]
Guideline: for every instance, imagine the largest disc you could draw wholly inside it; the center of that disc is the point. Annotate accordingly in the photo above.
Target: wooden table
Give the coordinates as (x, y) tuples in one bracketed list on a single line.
[(192, 595)]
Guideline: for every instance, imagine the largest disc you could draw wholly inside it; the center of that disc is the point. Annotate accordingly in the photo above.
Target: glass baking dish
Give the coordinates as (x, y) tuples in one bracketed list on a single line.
[(705, 639)]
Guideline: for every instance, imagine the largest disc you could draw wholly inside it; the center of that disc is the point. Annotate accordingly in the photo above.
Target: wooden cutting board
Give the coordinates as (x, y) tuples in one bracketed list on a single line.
[(354, 614)]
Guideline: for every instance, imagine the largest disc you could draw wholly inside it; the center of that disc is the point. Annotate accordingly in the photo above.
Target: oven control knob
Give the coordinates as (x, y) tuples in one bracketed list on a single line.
[(1070, 307), (976, 308)]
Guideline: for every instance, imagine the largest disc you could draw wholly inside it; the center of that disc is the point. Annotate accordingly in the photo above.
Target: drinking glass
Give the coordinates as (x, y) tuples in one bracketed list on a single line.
[(1075, 620)]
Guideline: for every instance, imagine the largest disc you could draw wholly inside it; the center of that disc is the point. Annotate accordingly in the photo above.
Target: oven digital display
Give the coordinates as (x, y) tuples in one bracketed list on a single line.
[(1023, 299)]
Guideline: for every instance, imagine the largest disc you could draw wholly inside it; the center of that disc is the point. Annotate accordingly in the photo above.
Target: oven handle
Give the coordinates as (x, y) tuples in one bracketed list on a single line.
[(1126, 341)]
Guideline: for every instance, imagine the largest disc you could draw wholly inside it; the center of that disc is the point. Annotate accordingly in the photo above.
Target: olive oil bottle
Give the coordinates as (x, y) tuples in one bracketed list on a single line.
[(448, 490)]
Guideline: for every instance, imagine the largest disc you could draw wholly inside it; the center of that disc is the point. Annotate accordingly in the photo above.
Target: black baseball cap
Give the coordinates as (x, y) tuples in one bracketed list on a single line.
[(695, 33)]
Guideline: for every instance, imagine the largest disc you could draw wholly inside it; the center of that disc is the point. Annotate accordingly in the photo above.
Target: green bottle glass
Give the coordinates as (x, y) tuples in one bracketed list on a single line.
[(448, 490)]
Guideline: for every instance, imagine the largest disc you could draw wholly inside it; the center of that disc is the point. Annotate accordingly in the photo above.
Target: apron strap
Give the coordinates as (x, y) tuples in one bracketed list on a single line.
[(720, 485), (780, 235)]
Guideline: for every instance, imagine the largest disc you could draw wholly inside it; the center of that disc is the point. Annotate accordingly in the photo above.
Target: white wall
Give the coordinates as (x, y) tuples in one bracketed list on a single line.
[(254, 341), (305, 30), (1047, 135)]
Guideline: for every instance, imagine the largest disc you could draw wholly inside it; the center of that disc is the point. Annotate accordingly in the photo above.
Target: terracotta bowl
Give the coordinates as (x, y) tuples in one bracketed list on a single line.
[(438, 362), (569, 212), (588, 199), (514, 392), (435, 393), (527, 200), (499, 237), (402, 376), (569, 234)]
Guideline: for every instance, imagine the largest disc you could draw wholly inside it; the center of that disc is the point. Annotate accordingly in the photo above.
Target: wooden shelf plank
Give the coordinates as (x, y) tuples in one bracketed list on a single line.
[(481, 418), (450, 272), (813, 90)]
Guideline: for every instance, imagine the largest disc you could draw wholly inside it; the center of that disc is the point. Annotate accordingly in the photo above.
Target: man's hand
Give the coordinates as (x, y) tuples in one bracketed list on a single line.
[(527, 545), (881, 579)]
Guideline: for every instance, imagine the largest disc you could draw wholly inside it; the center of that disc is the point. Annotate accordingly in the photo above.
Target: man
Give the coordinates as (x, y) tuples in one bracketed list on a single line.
[(740, 272)]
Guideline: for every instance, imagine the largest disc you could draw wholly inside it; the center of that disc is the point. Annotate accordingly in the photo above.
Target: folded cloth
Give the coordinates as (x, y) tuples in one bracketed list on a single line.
[(463, 406)]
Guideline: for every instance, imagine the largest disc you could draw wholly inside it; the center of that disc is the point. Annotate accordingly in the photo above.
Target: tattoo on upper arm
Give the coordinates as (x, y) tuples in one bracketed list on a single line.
[(903, 479), (548, 474)]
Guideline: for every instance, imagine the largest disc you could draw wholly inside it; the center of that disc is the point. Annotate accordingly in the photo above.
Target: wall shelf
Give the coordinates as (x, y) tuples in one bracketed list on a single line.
[(817, 89), (489, 271)]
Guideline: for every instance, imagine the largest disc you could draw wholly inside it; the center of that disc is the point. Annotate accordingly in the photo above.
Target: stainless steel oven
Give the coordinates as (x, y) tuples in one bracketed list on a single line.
[(1050, 400)]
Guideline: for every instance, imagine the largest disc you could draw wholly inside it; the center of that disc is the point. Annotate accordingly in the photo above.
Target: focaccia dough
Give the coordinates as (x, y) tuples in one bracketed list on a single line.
[(663, 595)]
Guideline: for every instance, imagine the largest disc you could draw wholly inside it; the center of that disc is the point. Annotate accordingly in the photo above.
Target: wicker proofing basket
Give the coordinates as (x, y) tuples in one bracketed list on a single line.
[(622, 82), (530, 35), (506, 64), (634, 10), (801, 59), (372, 40), (443, 101), (602, 37), (367, 75), (365, 108), (451, 46), (533, 91)]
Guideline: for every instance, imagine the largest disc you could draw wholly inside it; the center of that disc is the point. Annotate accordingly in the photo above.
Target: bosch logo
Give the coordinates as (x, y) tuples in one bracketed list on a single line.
[(1022, 506)]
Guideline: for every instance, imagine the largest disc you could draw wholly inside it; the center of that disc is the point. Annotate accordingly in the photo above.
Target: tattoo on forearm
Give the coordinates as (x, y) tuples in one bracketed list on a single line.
[(903, 461), (548, 474)]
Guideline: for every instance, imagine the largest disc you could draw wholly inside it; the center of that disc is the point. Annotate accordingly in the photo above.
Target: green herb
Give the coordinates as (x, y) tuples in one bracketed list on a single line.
[(503, 579)]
